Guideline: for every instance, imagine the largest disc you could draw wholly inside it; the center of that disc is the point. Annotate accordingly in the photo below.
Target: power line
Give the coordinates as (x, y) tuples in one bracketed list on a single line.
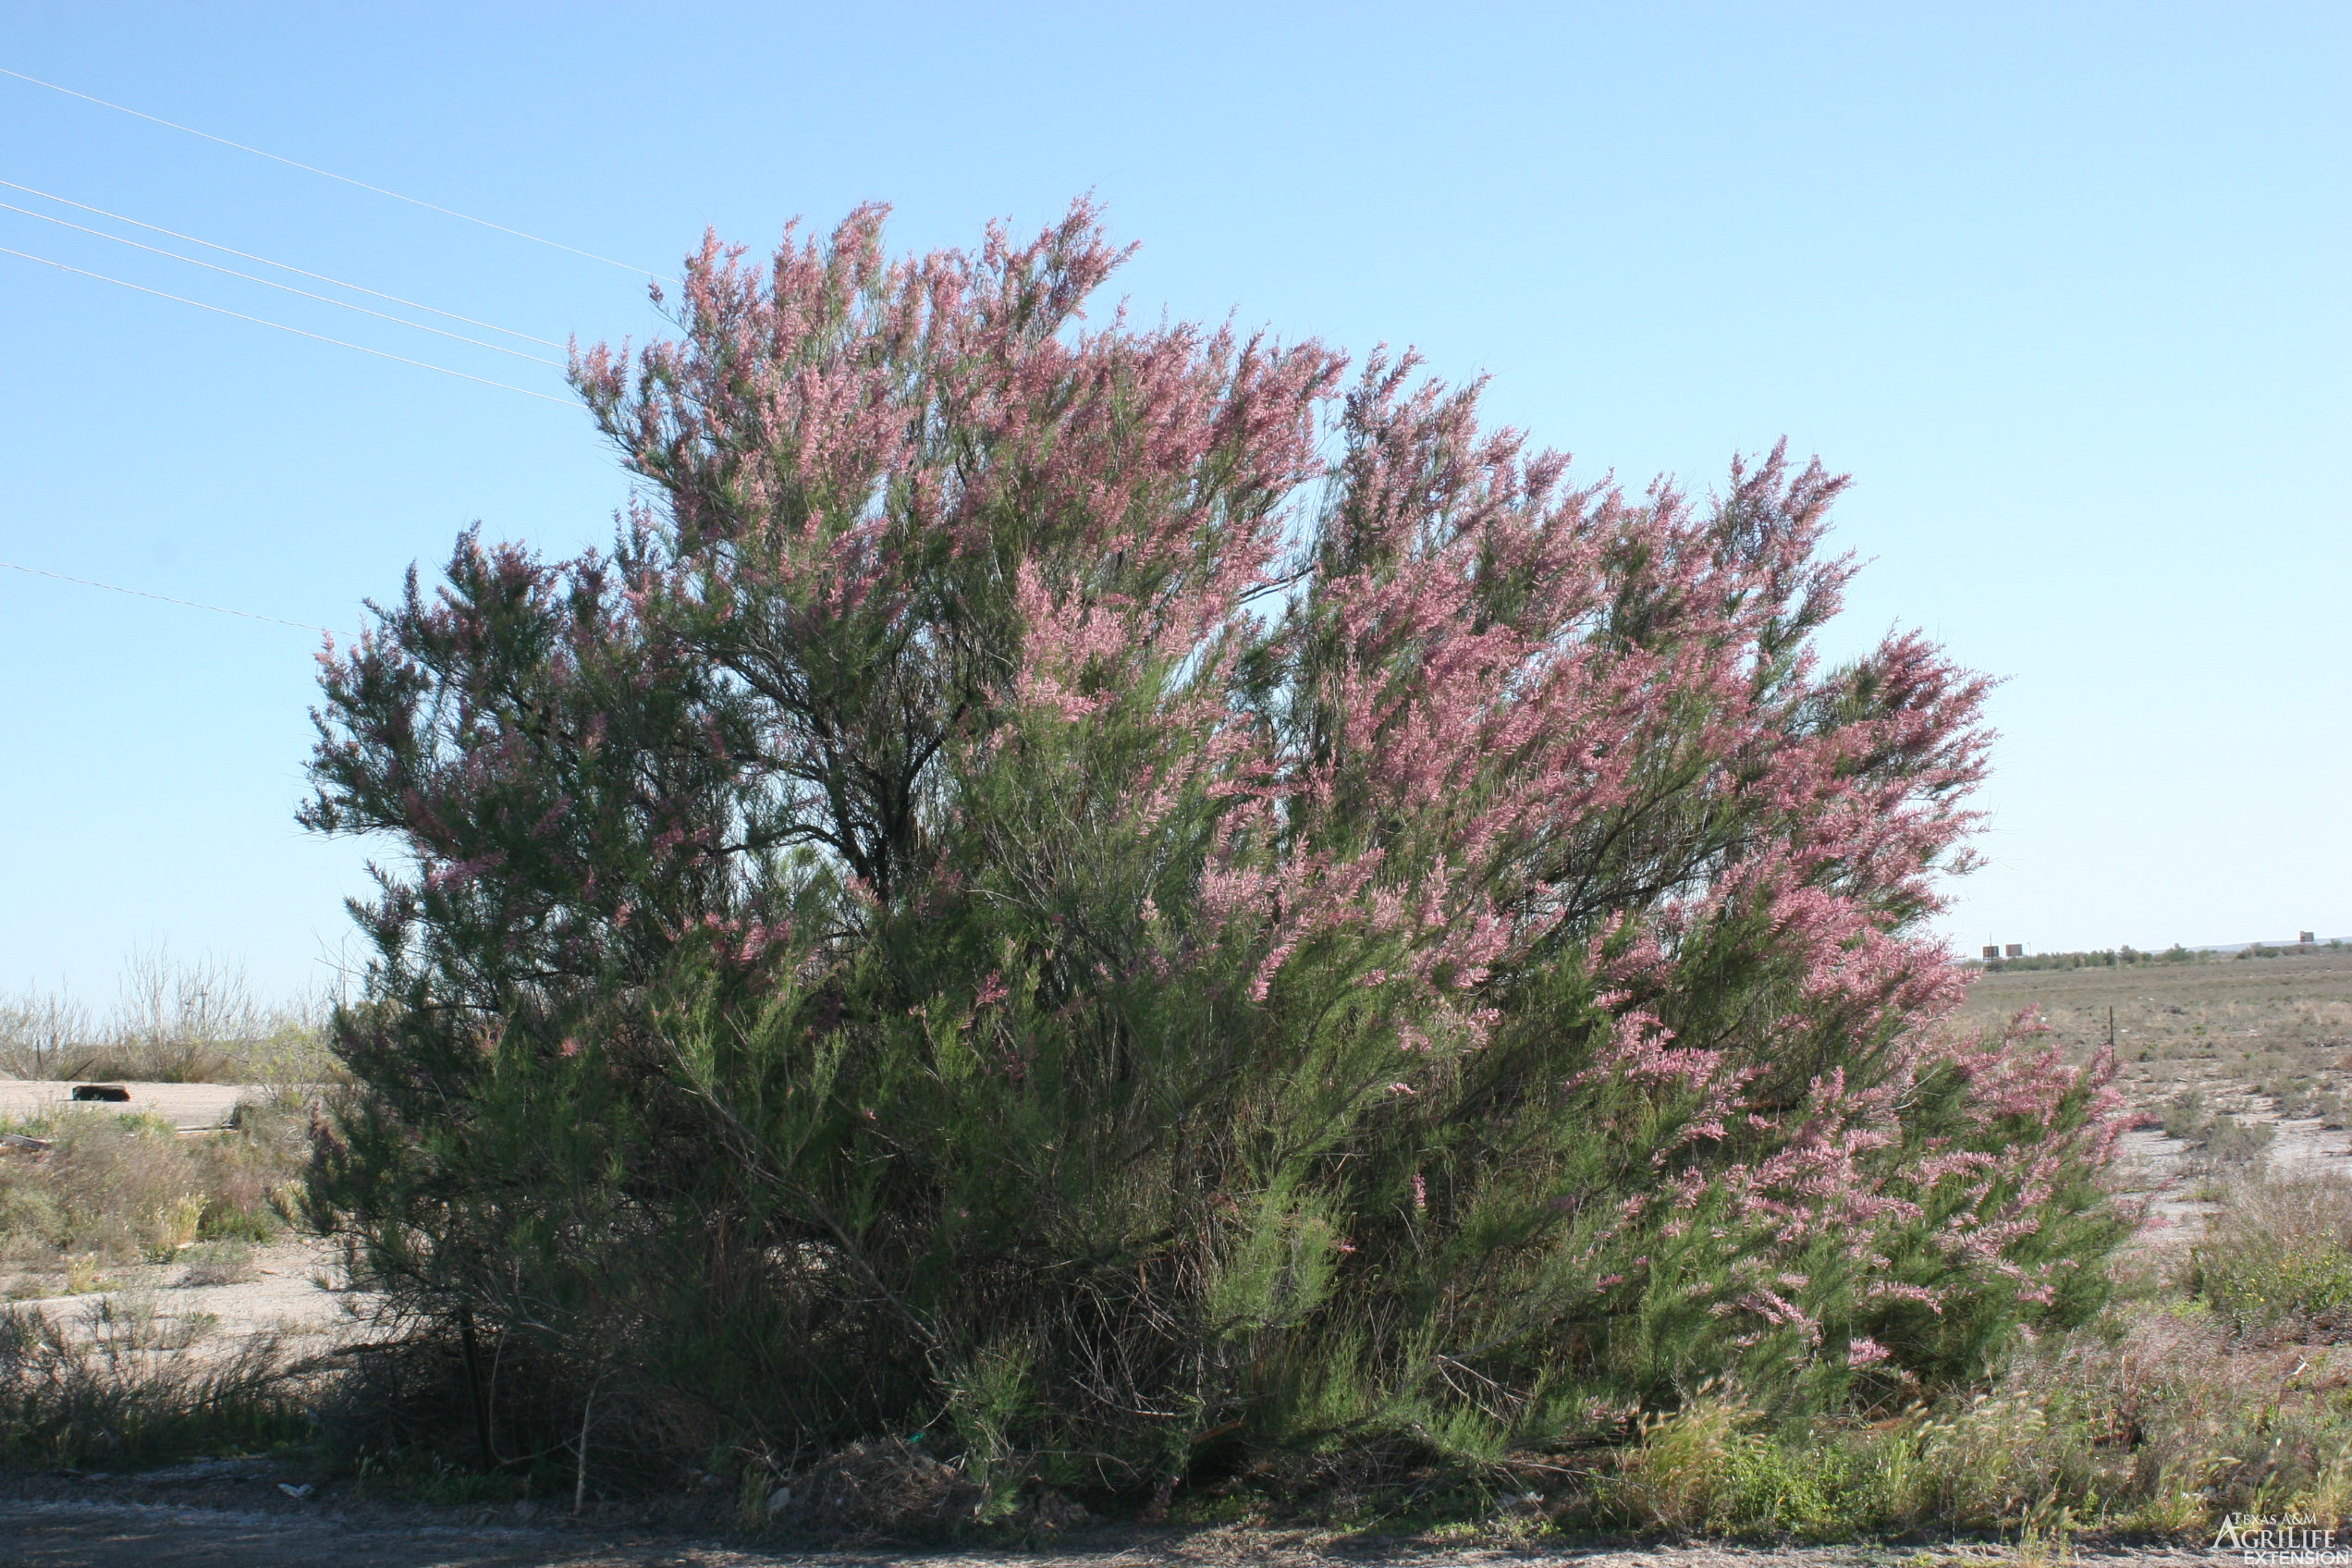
[(330, 174), (166, 598), (287, 287), (281, 326), (282, 266)]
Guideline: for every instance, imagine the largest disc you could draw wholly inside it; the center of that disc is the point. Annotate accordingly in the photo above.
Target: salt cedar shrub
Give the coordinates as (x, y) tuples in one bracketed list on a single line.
[(1125, 895)]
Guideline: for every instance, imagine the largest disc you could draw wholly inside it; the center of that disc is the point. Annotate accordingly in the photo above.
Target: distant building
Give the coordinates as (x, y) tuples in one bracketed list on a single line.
[(2017, 949), (1991, 951), (2307, 938)]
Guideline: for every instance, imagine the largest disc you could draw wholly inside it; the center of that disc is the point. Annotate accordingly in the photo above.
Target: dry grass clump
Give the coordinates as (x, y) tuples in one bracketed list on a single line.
[(125, 1187), (1706, 1467), (2166, 1421), (2325, 1021), (226, 1262)]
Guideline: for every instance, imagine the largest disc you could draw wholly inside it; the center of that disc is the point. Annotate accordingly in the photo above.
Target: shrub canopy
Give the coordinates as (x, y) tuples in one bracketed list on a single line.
[(1136, 893)]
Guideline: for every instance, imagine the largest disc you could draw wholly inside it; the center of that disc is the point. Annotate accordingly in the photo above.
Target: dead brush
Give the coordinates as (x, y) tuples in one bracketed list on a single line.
[(886, 1486), (174, 1022)]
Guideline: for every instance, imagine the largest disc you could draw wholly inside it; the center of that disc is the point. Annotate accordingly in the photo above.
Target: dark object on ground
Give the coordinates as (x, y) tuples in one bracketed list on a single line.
[(101, 1092)]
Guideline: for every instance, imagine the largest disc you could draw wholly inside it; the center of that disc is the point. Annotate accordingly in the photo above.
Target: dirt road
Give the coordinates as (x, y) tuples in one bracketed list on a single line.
[(112, 1534), (189, 1107), (261, 1512)]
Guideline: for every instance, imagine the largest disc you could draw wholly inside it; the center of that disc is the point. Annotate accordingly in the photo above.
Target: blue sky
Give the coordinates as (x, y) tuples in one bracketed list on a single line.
[(2064, 286)]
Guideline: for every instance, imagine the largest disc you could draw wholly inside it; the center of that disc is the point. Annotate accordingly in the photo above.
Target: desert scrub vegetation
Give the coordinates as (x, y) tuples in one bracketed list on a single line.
[(172, 1021), (2104, 958), (82, 1186), (1138, 904), (2289, 1014)]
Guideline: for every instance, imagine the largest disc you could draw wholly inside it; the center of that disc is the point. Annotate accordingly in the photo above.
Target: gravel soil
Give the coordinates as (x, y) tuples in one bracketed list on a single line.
[(237, 1513)]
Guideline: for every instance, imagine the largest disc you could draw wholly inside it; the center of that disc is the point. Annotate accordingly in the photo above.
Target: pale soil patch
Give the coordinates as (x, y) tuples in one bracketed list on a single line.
[(296, 1292), (2160, 1170)]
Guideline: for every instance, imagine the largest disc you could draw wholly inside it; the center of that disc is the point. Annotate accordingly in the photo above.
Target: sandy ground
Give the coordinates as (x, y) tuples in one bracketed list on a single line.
[(294, 1292), (2156, 1169)]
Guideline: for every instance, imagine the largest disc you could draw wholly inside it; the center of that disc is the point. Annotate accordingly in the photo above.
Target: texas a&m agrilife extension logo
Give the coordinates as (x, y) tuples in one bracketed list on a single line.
[(2257, 1539)]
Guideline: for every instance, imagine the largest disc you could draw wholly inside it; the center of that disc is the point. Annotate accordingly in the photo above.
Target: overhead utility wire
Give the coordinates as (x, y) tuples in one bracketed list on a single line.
[(330, 174), (282, 266), (281, 326), (266, 283), (166, 598)]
